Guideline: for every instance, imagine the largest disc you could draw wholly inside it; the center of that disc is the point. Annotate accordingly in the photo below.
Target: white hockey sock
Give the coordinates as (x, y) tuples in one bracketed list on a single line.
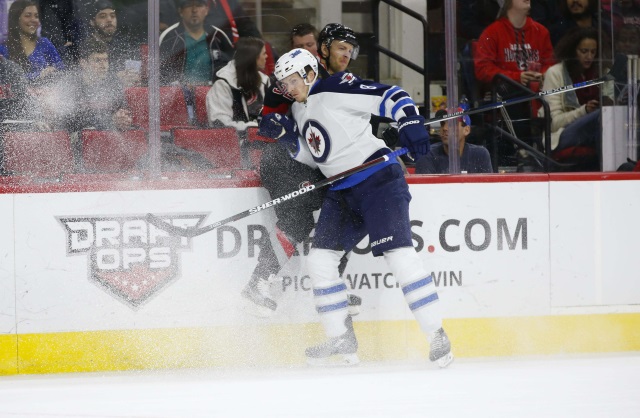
[(329, 291), (417, 286)]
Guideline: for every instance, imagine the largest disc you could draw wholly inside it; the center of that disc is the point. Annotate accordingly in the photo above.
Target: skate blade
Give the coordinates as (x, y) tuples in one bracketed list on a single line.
[(338, 360), (445, 360), (256, 310)]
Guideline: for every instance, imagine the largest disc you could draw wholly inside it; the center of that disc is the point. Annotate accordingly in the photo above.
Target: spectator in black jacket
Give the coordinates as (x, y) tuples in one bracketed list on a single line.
[(191, 53)]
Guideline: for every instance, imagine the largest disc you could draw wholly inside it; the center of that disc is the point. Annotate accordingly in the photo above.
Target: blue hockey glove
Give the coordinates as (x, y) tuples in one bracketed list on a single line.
[(280, 127), (414, 135)]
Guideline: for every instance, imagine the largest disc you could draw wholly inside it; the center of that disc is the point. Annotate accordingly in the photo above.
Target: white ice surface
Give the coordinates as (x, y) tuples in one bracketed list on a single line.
[(577, 386)]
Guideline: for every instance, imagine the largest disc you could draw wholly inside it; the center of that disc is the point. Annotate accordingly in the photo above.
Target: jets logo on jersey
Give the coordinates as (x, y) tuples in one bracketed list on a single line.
[(347, 78), (317, 139), (128, 257)]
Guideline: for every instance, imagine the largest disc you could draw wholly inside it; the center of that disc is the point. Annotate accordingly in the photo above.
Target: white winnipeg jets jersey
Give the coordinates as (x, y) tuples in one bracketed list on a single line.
[(334, 121)]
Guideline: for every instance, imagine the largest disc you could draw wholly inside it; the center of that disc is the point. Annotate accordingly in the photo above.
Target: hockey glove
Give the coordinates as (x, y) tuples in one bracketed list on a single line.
[(280, 127), (414, 135)]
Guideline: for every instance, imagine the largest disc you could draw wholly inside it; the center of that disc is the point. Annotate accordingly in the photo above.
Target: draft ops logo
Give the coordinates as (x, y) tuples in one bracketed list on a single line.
[(128, 257)]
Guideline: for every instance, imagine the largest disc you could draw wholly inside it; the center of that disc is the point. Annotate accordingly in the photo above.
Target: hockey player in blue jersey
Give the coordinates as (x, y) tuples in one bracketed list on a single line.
[(330, 129)]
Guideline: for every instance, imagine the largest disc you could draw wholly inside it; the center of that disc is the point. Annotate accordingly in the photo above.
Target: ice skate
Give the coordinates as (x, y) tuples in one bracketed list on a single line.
[(258, 296), (354, 304), (337, 351), (440, 351)]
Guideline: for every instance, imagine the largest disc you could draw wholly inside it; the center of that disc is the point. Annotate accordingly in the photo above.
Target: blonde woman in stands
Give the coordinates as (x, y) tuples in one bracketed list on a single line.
[(36, 55), (237, 96)]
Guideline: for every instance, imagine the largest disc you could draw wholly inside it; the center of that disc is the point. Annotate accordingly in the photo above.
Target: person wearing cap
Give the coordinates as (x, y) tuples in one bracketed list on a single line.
[(473, 158), (191, 53), (103, 28)]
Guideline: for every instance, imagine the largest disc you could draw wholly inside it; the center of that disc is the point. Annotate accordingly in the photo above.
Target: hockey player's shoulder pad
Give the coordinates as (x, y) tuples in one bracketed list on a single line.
[(349, 83)]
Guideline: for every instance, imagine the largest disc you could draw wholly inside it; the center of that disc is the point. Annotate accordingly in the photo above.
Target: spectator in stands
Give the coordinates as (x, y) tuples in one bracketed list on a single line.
[(627, 40), (625, 12), (514, 45), (90, 96), (191, 53), (575, 115), (304, 36), (473, 158), (13, 93), (475, 15), (133, 18), (233, 20), (62, 26), (577, 13), (237, 96), (124, 56), (36, 55)]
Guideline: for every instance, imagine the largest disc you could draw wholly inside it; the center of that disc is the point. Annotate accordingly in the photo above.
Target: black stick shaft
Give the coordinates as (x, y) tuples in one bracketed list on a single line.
[(193, 232)]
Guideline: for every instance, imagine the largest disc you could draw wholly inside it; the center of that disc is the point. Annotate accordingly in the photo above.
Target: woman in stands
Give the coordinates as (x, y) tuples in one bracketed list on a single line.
[(237, 96), (575, 115), (36, 55)]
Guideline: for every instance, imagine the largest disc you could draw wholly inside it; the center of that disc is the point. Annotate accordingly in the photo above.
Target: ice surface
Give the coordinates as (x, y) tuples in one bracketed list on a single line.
[(576, 386)]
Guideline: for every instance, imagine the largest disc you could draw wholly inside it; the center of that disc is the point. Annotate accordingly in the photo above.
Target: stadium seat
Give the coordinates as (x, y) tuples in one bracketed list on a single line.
[(201, 105), (173, 107), (112, 151), (38, 154), (221, 146)]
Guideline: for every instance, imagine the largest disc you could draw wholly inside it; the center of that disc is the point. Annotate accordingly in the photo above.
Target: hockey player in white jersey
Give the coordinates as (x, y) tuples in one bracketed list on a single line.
[(331, 130)]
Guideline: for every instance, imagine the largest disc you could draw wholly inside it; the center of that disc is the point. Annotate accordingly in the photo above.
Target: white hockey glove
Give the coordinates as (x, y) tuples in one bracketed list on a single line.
[(414, 135)]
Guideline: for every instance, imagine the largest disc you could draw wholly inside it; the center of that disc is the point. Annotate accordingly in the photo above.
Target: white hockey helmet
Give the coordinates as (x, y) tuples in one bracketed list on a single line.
[(296, 61)]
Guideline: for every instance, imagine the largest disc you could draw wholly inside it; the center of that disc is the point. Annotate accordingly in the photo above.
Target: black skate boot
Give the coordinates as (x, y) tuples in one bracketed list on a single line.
[(337, 351), (440, 351), (258, 293)]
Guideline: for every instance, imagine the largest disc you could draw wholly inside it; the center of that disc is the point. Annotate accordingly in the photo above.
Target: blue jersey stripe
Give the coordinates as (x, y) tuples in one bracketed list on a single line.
[(400, 104), (384, 99), (329, 290)]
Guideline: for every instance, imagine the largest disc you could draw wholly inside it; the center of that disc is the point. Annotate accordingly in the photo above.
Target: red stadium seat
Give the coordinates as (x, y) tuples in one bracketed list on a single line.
[(38, 154), (112, 151), (173, 107), (201, 105), (221, 146)]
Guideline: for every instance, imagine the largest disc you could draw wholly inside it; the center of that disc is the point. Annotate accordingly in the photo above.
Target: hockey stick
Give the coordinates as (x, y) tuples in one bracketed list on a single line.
[(616, 69), (194, 232)]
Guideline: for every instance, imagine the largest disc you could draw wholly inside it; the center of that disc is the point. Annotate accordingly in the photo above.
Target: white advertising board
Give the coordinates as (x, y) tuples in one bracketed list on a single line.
[(594, 245), (7, 264), (89, 261)]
